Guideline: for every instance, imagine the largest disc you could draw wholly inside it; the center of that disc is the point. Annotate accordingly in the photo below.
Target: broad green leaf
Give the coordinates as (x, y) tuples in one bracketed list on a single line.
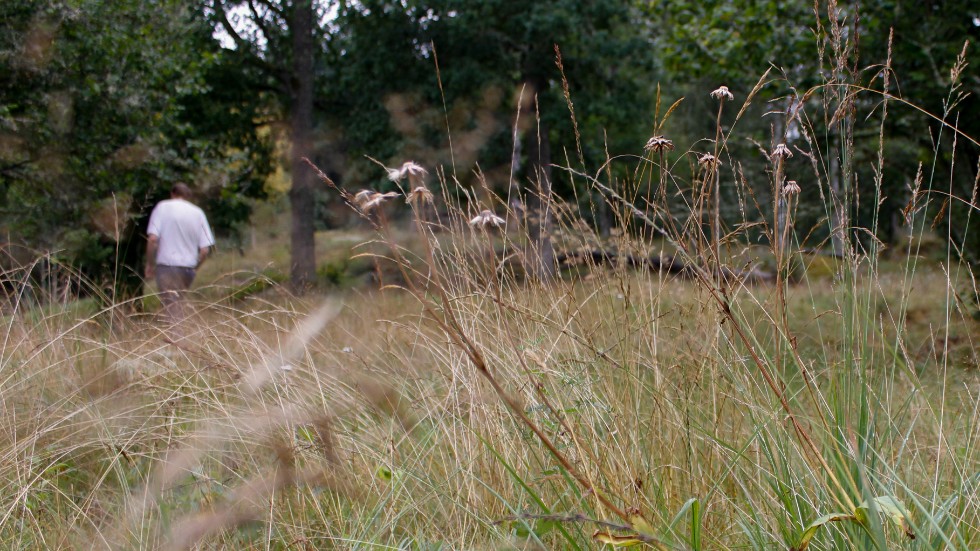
[(616, 541), (643, 537), (694, 506), (641, 525), (680, 513), (892, 508), (889, 506), (861, 515), (812, 528)]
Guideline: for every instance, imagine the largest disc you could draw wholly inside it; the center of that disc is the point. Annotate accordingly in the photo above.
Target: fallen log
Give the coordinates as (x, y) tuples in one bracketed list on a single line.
[(667, 264)]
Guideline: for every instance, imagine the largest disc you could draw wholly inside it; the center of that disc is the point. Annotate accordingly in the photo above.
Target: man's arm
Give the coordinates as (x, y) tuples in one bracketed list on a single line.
[(202, 254), (151, 256), (205, 241)]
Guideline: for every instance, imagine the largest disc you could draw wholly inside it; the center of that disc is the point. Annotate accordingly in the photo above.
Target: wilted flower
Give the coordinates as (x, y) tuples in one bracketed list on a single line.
[(708, 160), (486, 218), (408, 169), (362, 196), (419, 194), (782, 151), (379, 198), (791, 188), (367, 200), (659, 144), (722, 93)]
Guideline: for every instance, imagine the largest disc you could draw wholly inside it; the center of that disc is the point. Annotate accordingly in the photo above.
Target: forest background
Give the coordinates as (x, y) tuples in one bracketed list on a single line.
[(104, 105)]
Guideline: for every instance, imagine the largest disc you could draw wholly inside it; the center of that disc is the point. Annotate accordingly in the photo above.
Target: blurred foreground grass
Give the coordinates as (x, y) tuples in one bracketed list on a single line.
[(369, 428)]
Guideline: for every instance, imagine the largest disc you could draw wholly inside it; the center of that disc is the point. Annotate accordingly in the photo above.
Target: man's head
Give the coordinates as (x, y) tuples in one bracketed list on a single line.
[(180, 191)]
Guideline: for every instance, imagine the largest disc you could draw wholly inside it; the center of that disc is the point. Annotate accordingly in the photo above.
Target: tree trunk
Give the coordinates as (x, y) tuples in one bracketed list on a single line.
[(603, 214), (543, 253), (516, 211), (302, 242)]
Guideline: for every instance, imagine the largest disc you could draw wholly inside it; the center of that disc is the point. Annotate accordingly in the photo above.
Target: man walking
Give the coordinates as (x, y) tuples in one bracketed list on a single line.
[(179, 239)]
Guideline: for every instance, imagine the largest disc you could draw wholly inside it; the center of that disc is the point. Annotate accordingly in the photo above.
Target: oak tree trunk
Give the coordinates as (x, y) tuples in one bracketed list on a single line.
[(542, 255), (302, 243)]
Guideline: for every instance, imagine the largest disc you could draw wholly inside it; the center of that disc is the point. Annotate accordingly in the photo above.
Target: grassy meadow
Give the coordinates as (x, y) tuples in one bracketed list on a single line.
[(465, 406), (439, 391)]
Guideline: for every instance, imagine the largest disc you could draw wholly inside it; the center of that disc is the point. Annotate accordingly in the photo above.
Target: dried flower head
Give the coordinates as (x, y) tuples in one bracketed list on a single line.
[(782, 151), (362, 196), (419, 194), (367, 200), (486, 218), (722, 93), (791, 188), (659, 144), (708, 160), (409, 169)]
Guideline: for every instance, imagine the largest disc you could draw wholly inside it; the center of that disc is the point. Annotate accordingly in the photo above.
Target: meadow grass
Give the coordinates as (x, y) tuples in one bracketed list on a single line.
[(371, 428), (762, 397)]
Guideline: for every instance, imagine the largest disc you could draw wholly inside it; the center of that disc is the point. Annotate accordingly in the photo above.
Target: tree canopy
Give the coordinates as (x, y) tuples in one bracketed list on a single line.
[(103, 106)]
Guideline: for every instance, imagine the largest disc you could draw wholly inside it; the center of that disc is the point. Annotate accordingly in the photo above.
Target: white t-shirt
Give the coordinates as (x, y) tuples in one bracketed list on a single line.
[(182, 230)]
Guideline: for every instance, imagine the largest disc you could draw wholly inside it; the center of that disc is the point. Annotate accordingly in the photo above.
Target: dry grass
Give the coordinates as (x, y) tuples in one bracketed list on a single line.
[(380, 432)]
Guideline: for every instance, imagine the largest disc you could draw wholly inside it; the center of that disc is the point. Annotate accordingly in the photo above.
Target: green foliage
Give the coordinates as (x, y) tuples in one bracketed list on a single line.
[(721, 42), (102, 107), (888, 506), (715, 42), (486, 53), (103, 103), (692, 506)]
